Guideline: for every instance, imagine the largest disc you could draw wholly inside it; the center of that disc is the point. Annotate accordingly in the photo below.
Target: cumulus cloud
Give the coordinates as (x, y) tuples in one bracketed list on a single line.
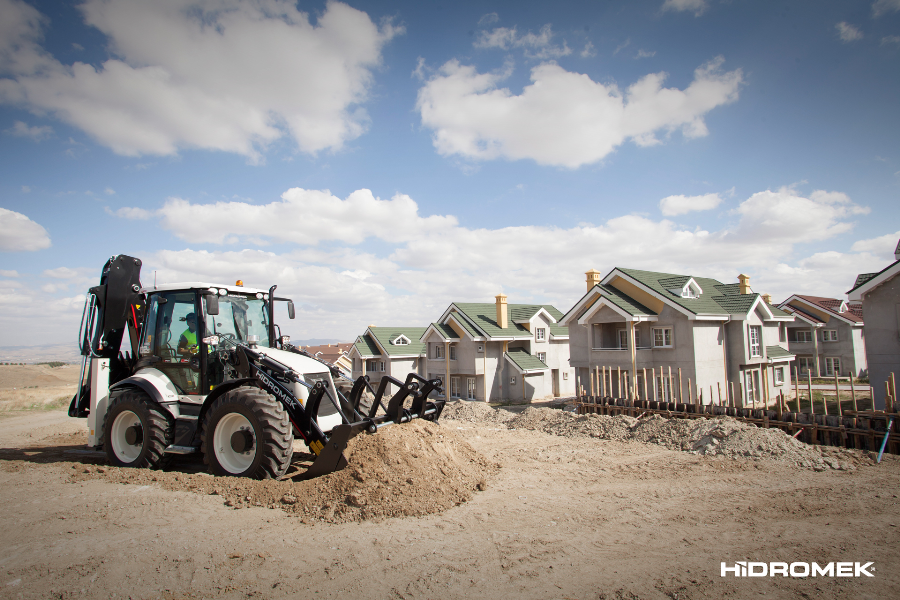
[(304, 217), (231, 76), (882, 7), (37, 133), (19, 233), (671, 206), (132, 213), (882, 246), (848, 32), (697, 6), (6, 273), (535, 45), (890, 39), (588, 51), (61, 273), (563, 118)]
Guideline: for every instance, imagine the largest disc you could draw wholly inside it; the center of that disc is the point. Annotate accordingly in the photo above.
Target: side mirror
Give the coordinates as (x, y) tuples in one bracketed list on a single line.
[(212, 340), (290, 309), (212, 305)]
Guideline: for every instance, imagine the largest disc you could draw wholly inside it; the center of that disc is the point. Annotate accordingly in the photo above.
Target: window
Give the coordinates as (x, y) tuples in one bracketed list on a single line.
[(370, 365), (807, 364), (755, 336), (664, 388), (623, 339), (454, 387), (512, 380), (437, 351), (382, 366), (829, 335), (662, 337), (637, 337), (779, 375), (803, 336), (542, 356), (565, 374), (470, 388), (832, 366), (782, 332), (539, 334), (452, 352), (401, 340)]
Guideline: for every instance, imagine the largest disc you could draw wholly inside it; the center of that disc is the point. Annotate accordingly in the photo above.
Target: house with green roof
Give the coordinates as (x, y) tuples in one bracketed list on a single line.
[(879, 294), (717, 334), (394, 351), (500, 351)]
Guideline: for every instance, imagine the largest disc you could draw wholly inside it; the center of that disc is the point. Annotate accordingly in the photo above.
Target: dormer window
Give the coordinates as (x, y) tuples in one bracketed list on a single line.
[(844, 307), (401, 340), (690, 289)]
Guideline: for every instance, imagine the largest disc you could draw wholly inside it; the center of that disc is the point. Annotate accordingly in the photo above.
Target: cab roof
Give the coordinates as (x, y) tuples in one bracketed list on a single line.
[(200, 285)]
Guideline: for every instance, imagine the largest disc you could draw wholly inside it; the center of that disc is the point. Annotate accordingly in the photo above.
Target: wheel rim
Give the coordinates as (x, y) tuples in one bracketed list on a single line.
[(232, 461), (127, 453)]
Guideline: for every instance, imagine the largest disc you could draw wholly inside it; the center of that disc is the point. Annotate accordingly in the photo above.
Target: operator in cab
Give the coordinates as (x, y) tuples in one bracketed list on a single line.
[(187, 343)]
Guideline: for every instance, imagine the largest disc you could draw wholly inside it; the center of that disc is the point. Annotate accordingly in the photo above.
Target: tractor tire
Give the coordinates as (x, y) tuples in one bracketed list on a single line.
[(247, 433), (136, 431)]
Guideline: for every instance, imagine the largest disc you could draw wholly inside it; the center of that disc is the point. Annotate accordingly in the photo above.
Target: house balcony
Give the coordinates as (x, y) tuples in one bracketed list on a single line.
[(622, 356)]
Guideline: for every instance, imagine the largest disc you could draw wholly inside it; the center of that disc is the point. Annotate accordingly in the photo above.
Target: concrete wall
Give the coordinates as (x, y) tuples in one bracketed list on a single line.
[(881, 310)]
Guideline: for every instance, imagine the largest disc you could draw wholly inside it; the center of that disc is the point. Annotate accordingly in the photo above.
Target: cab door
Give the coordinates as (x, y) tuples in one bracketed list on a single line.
[(169, 339)]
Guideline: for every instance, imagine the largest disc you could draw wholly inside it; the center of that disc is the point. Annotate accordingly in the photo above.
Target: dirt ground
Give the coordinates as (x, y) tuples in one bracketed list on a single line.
[(548, 510)]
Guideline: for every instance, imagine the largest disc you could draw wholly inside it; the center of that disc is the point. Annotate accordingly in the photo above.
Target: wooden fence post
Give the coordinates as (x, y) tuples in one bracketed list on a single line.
[(797, 388), (837, 390), (680, 388), (812, 407)]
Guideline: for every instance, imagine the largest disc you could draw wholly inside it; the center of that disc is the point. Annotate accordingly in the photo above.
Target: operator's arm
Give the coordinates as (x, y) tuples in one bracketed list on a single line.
[(183, 347)]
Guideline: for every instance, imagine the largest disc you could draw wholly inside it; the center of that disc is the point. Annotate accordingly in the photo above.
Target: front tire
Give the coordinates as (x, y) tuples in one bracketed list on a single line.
[(136, 431), (247, 433)]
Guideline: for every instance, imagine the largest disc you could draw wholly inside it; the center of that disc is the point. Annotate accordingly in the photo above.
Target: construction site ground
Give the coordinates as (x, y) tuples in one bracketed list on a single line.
[(555, 507)]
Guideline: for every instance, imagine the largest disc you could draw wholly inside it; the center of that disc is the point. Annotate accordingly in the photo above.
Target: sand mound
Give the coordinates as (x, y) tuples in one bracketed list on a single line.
[(413, 469), (721, 436), (475, 412)]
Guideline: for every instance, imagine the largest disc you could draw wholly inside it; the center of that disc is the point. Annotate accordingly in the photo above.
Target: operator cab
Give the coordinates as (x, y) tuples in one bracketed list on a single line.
[(179, 319)]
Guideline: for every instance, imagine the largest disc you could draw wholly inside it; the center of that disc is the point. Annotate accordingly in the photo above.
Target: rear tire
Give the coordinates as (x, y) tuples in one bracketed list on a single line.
[(247, 433), (136, 431)]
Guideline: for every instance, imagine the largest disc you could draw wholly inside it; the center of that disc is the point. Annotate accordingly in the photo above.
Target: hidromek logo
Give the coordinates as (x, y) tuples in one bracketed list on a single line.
[(797, 569)]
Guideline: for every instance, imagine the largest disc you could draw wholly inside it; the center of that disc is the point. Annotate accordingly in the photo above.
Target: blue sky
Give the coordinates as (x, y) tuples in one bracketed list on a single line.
[(378, 160)]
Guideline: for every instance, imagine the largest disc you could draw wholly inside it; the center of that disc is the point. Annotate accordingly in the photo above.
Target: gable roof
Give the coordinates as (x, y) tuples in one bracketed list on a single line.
[(480, 319), (446, 332), (830, 306), (524, 362), (778, 353), (873, 280), (376, 341)]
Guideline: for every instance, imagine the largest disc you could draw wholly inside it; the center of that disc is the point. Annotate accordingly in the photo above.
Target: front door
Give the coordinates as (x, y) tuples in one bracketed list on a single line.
[(172, 336), (555, 373)]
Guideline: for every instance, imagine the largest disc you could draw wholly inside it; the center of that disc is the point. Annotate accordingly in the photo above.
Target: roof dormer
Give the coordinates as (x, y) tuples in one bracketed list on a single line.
[(690, 289), (400, 340)]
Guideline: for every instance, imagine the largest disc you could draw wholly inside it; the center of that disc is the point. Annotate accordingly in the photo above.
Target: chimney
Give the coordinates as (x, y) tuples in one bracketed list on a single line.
[(744, 280), (767, 298), (502, 313), (593, 278)]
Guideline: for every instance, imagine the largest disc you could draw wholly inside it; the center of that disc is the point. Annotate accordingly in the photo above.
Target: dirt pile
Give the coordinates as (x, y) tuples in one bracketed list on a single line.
[(408, 470), (721, 436), (475, 412)]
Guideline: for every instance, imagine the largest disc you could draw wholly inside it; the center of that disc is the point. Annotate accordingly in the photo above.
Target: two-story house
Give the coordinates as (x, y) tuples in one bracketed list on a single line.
[(719, 335), (394, 351), (500, 351), (879, 294), (826, 336), (336, 355)]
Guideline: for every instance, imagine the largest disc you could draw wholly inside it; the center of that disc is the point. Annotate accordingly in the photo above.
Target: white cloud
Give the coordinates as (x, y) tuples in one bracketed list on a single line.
[(231, 76), (563, 118), (645, 54), (882, 7), (848, 32), (588, 51), (536, 46), (410, 278), (5, 273), (21, 129), (61, 273), (25, 189), (109, 191), (890, 39), (132, 213), (697, 6), (19, 233), (671, 206), (488, 19), (882, 246), (303, 217), (622, 46)]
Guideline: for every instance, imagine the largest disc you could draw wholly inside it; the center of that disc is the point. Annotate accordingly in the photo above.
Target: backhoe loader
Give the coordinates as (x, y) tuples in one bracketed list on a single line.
[(210, 373)]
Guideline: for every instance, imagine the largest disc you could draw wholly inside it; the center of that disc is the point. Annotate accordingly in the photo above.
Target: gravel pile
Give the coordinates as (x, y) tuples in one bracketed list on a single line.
[(721, 436), (475, 412)]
